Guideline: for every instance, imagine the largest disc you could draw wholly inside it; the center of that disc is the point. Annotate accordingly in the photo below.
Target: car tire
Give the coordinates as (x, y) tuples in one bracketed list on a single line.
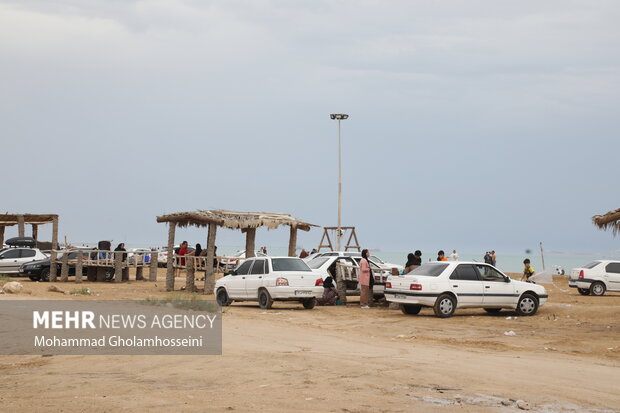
[(109, 274), (309, 303), (492, 310), (410, 309), (34, 278), (444, 306), (222, 298), (45, 275), (584, 291), (264, 299), (597, 288), (527, 305)]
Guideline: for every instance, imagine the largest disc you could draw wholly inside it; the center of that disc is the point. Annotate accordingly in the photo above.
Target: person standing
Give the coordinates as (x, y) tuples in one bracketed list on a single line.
[(494, 258), (121, 248), (364, 279), (454, 255)]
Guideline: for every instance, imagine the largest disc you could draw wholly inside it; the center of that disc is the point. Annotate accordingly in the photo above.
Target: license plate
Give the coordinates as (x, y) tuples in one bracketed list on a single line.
[(303, 292), (400, 296)]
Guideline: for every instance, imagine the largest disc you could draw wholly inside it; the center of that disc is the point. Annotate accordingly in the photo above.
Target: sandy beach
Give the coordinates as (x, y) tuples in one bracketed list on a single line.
[(336, 359)]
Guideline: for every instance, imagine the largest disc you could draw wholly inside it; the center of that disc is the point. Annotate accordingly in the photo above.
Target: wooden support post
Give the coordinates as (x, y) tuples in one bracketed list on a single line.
[(64, 270), (78, 268), (189, 274), (125, 271), (35, 232), (153, 269), (101, 273), (210, 264), (53, 270), (341, 285), (118, 267), (21, 226), (250, 238), (1, 235), (292, 242), (140, 273), (91, 273), (170, 263)]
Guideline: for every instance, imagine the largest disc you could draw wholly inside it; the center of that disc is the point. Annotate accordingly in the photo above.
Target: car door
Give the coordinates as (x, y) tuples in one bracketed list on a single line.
[(236, 285), (26, 256), (9, 260), (497, 291), (466, 283), (613, 275), (254, 279)]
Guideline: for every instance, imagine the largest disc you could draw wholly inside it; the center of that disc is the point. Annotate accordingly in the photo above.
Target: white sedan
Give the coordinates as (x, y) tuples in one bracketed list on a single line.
[(446, 286), (269, 279), (596, 277)]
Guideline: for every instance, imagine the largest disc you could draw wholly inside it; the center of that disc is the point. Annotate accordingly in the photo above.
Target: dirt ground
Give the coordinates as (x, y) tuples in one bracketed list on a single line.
[(566, 358)]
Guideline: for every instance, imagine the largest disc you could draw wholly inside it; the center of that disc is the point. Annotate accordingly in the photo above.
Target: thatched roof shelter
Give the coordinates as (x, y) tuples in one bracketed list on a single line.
[(8, 220), (234, 220), (610, 220), (247, 222)]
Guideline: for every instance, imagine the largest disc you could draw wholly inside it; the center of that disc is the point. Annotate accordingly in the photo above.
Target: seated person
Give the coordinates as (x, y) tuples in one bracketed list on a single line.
[(330, 294)]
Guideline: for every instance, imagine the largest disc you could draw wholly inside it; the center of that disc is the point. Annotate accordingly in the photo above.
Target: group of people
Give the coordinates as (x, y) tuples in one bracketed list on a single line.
[(490, 258), (304, 254)]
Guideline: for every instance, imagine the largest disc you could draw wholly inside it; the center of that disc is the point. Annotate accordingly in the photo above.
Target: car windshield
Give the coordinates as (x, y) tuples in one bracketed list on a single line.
[(591, 265), (289, 264), (317, 262), (377, 259), (429, 270)]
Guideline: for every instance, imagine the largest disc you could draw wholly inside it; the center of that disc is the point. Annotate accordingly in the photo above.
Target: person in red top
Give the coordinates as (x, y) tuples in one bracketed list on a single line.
[(182, 252)]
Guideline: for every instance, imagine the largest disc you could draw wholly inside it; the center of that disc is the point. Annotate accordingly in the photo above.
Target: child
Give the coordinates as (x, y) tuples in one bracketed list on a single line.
[(528, 271)]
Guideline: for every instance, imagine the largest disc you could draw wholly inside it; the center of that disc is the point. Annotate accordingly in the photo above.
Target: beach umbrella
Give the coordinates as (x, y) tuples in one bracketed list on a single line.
[(608, 220)]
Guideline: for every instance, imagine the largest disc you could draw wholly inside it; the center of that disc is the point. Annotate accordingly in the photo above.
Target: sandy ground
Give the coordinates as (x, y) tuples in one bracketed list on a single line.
[(336, 359)]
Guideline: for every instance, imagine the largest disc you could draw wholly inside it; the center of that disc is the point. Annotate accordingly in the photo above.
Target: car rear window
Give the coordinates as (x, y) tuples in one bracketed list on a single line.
[(317, 262), (591, 265), (429, 270), (289, 264)]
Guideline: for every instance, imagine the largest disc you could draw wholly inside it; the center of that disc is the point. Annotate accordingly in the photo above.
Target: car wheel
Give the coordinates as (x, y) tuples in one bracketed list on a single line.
[(584, 291), (309, 304), (597, 288), (45, 275), (222, 298), (264, 299), (410, 309), (492, 310), (527, 305), (444, 306), (34, 277)]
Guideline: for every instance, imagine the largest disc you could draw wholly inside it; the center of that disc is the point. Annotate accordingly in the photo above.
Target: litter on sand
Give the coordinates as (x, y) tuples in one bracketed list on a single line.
[(510, 333)]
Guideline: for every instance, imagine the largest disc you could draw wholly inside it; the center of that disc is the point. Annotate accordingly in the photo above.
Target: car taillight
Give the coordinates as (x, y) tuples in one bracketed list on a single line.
[(581, 275), (317, 283), (281, 282), (388, 285), (416, 287)]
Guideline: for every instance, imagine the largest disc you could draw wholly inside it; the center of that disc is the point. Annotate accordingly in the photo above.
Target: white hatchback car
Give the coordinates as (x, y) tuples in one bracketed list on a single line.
[(596, 277), (13, 257), (269, 279), (446, 286)]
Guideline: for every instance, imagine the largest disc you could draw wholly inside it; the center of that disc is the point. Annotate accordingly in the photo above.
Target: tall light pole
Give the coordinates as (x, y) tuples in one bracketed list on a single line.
[(339, 117)]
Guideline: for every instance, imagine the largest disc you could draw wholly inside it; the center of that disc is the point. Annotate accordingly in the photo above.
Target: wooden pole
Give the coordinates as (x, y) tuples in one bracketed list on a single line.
[(53, 270), (140, 273), (153, 269), (292, 242), (189, 274), (21, 226), (209, 273), (78, 268), (170, 263), (118, 267), (64, 270), (542, 255), (1, 235), (35, 232), (250, 238)]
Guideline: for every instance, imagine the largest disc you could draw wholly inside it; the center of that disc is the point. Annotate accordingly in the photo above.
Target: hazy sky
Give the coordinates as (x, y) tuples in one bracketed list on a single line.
[(473, 124)]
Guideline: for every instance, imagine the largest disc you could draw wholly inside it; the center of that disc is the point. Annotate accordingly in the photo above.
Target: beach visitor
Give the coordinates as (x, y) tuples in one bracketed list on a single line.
[(441, 256), (330, 294), (417, 257), (364, 279), (197, 251), (121, 248), (528, 271), (493, 258), (182, 253), (410, 263), (303, 254), (454, 256), (487, 258)]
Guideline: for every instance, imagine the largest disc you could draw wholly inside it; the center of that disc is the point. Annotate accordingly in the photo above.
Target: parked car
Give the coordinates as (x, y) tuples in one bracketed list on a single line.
[(269, 279), (40, 270), (139, 256), (13, 257), (230, 263), (596, 277), (325, 266), (446, 286), (358, 256)]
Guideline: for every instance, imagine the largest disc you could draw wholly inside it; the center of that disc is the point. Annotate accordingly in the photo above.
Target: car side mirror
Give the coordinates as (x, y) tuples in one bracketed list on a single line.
[(234, 272), (507, 279)]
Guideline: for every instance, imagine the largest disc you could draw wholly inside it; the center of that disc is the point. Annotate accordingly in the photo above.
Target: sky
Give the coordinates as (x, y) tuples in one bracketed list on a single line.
[(473, 124)]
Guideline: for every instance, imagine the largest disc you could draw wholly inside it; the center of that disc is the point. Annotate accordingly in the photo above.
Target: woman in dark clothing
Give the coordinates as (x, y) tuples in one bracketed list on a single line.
[(330, 294), (197, 252), (121, 248)]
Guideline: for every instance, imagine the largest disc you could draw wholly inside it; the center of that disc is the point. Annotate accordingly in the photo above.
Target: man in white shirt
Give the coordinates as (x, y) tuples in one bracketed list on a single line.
[(454, 256)]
